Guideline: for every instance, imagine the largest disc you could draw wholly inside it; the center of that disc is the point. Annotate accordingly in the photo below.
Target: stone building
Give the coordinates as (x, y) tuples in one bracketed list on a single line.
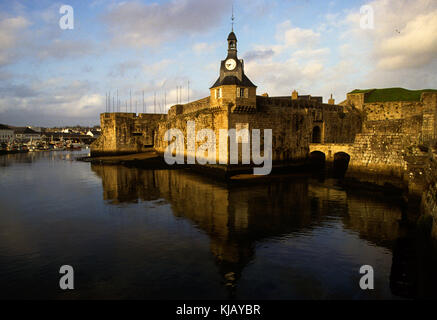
[(399, 126), (233, 103), (377, 131), (379, 135)]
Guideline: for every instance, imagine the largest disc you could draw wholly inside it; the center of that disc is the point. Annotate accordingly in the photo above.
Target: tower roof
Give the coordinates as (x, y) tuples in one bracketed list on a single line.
[(233, 80), (232, 36)]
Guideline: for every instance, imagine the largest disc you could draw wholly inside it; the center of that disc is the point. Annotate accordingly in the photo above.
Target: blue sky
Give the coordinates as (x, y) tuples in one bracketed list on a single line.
[(53, 77)]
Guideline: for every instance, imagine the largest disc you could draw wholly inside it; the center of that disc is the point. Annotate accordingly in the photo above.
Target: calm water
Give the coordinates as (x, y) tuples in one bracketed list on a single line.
[(172, 234)]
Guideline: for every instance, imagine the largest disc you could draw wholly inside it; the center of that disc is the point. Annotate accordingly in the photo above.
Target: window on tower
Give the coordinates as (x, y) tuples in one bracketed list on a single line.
[(232, 44), (242, 92)]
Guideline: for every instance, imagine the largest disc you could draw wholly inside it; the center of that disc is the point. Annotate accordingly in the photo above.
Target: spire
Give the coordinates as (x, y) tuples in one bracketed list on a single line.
[(232, 39), (232, 18)]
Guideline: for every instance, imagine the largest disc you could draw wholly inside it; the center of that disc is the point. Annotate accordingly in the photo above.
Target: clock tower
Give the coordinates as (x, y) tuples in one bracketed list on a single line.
[(233, 87)]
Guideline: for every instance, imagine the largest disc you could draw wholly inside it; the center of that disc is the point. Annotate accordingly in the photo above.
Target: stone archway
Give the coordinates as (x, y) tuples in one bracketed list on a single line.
[(341, 163), (317, 159)]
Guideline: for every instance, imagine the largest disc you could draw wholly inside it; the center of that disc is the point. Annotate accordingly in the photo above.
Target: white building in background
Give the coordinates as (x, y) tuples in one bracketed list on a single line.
[(93, 133), (36, 129), (6, 133)]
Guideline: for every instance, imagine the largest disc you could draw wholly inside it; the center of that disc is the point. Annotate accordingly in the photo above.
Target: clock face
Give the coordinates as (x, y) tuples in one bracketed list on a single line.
[(230, 64)]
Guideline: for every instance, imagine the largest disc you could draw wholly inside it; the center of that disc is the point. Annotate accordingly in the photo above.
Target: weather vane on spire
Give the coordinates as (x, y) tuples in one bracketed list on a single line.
[(232, 18)]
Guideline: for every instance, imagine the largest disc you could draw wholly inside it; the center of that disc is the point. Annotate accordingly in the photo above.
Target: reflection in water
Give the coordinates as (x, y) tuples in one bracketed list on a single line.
[(233, 218), (237, 217), (173, 234)]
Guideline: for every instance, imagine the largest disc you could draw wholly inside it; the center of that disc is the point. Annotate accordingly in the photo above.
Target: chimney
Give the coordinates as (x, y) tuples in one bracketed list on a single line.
[(265, 94), (294, 95), (331, 100)]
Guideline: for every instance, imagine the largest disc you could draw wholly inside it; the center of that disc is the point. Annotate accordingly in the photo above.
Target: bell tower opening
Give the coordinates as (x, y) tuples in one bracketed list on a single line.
[(232, 45)]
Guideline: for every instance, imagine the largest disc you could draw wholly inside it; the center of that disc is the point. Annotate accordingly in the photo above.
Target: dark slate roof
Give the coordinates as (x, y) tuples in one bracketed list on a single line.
[(4, 127), (234, 80), (25, 131), (232, 36)]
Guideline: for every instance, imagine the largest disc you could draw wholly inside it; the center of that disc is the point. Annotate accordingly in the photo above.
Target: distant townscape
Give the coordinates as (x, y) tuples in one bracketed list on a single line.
[(24, 139)]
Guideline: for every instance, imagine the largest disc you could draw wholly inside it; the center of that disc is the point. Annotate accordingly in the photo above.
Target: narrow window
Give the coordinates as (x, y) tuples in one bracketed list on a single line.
[(242, 92)]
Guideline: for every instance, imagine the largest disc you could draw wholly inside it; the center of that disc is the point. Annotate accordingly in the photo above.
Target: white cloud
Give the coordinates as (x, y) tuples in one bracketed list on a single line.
[(356, 58), (204, 47), (402, 48), (50, 100), (157, 67), (137, 24), (10, 35), (297, 37), (61, 49), (295, 61), (258, 54), (414, 46)]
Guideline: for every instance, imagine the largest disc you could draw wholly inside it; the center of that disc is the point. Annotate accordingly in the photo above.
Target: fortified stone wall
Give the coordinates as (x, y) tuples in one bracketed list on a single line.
[(392, 110), (429, 197), (195, 106), (423, 111), (126, 133), (355, 100), (429, 127), (378, 154), (291, 129), (206, 118), (391, 133), (337, 123), (291, 121), (383, 145)]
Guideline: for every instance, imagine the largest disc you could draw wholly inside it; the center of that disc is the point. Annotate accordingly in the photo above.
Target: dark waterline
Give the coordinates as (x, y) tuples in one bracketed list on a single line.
[(172, 234)]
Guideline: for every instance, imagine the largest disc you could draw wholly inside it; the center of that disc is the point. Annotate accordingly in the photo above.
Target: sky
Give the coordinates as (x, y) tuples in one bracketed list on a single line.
[(51, 76)]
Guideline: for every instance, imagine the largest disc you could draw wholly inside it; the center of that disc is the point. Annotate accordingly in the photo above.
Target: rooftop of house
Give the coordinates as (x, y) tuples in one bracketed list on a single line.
[(24, 130), (391, 94), (4, 127)]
